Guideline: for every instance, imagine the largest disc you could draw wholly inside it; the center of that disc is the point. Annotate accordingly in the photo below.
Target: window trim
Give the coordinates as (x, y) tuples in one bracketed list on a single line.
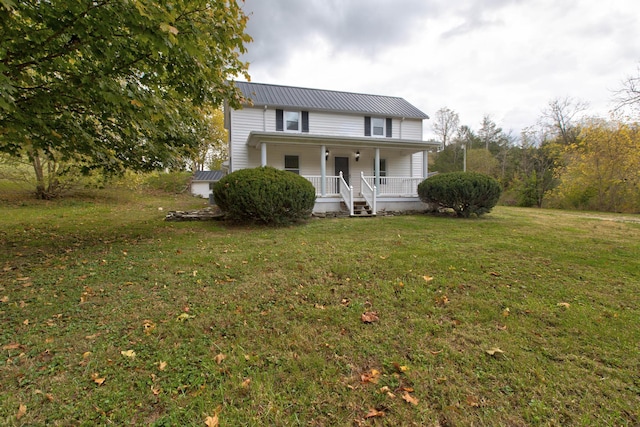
[(284, 121), (373, 126), (387, 126)]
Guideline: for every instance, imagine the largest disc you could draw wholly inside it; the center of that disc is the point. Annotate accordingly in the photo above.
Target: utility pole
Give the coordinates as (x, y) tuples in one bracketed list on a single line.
[(464, 158)]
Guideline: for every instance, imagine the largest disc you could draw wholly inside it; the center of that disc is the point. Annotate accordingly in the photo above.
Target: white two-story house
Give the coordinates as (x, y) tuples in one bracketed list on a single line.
[(363, 153)]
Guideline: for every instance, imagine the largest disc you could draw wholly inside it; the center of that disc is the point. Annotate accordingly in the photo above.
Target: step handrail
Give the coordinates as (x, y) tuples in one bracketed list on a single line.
[(346, 191), (368, 192)]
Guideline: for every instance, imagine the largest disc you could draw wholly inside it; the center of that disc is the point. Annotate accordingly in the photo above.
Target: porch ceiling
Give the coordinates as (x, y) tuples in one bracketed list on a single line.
[(256, 138)]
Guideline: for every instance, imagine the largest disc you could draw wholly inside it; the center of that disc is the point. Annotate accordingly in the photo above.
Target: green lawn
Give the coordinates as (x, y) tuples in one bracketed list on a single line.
[(112, 316)]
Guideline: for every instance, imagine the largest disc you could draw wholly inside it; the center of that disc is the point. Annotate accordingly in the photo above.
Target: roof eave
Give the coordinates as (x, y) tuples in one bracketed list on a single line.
[(329, 110), (257, 137)]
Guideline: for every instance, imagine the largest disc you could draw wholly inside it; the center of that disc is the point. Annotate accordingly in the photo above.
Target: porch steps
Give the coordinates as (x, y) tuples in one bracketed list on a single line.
[(361, 209)]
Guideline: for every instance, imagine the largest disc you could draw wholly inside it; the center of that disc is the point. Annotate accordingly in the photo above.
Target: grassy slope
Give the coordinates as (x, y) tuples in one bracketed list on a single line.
[(263, 326)]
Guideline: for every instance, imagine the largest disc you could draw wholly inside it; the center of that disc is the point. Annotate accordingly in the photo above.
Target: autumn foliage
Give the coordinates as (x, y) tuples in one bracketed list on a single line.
[(600, 170), (466, 193), (265, 195)]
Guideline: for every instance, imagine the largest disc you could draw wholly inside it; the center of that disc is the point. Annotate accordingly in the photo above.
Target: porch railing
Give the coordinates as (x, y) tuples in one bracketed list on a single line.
[(368, 192), (332, 186), (395, 185), (390, 186), (346, 191)]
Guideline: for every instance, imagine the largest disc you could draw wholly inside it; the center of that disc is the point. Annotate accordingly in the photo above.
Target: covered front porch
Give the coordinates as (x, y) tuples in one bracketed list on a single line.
[(359, 174)]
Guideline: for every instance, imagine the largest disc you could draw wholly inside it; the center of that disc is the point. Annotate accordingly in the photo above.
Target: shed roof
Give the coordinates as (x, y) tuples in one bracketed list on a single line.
[(207, 175), (328, 100)]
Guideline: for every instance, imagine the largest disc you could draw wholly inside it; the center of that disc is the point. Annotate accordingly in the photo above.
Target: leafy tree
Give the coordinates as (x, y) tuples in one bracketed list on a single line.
[(467, 137), (601, 170), (445, 125), (449, 159), (535, 162), (211, 147), (113, 84), (481, 161)]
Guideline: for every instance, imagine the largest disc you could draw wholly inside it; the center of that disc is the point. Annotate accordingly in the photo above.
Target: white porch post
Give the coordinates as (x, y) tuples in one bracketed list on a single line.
[(376, 172), (263, 154), (425, 164), (323, 171)]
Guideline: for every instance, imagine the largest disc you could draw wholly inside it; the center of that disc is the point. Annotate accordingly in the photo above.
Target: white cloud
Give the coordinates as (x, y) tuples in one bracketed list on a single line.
[(505, 58)]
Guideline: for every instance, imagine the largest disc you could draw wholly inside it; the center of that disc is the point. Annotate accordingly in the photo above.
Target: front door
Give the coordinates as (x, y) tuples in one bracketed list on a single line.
[(342, 165)]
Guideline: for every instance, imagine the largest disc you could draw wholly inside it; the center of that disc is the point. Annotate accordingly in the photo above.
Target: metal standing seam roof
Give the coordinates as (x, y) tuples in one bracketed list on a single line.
[(328, 100), (207, 175)]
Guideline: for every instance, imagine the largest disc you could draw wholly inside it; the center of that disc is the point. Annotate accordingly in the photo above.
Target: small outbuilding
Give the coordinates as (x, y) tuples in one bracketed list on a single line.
[(202, 182)]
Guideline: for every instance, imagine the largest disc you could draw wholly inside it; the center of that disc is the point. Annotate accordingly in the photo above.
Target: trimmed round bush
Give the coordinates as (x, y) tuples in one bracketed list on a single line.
[(266, 195), (466, 193)]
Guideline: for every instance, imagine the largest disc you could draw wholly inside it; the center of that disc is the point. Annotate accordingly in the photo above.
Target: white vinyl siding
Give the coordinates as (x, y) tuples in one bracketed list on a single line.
[(321, 123), (411, 129), (242, 123)]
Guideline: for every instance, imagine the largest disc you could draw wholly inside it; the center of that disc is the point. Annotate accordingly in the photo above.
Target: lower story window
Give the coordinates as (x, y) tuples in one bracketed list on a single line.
[(292, 164)]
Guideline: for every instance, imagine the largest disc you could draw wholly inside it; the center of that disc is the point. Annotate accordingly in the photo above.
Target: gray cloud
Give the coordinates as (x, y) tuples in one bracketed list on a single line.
[(347, 26)]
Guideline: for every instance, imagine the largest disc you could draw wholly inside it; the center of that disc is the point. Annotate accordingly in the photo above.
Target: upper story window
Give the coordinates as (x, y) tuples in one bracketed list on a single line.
[(292, 121), (378, 127)]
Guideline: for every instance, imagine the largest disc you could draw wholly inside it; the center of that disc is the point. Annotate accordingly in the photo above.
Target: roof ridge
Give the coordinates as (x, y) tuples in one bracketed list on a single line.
[(318, 89)]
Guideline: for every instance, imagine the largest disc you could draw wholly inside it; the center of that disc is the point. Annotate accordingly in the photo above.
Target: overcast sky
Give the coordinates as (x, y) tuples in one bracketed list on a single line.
[(504, 58)]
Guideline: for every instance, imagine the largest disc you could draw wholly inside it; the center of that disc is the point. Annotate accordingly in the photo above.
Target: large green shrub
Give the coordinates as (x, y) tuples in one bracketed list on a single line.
[(465, 192), (265, 195)]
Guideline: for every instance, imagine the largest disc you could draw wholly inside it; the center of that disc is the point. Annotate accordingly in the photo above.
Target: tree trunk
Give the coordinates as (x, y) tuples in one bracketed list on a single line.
[(47, 185)]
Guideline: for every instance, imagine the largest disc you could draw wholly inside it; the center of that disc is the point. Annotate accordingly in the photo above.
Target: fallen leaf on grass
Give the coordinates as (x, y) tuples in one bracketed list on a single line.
[(495, 351), (12, 346), (400, 368), (97, 378), (427, 278), (162, 366), (370, 377), (4, 298), (148, 326), (184, 316), (386, 390), (374, 413), (219, 358), (443, 300), (564, 304), (212, 421), (410, 399), (128, 353), (22, 411), (370, 317), (245, 383), (473, 401)]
